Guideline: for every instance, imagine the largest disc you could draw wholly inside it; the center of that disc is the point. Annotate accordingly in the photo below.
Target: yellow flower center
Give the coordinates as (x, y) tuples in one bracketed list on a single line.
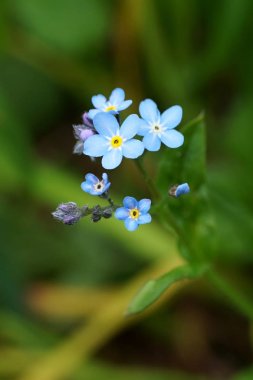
[(116, 141), (110, 108), (134, 213)]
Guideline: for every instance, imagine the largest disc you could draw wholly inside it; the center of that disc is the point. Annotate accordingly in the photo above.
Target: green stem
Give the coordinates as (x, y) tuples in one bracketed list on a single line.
[(148, 179), (238, 299)]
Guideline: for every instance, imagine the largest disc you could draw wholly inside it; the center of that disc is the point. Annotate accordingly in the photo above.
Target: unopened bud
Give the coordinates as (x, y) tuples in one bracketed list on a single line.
[(177, 190), (67, 213)]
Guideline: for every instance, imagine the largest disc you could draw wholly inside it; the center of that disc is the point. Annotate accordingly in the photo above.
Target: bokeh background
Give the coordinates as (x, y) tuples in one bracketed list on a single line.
[(63, 289)]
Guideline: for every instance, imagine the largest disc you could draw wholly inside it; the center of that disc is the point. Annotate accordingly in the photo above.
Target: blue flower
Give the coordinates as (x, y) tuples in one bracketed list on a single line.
[(157, 127), (94, 186), (178, 190), (134, 213), (113, 142), (115, 103)]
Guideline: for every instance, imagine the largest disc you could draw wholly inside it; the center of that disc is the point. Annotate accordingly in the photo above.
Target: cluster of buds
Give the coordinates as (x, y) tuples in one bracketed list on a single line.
[(82, 132)]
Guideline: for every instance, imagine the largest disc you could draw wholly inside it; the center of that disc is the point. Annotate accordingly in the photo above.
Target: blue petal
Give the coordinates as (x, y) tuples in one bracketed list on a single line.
[(144, 127), (152, 142), (124, 105), (182, 189), (105, 178), (91, 178), (130, 202), (149, 111), (95, 192), (131, 224), (144, 205), (95, 146), (112, 159), (92, 113), (106, 187), (86, 187), (106, 124), (117, 96), (143, 219), (130, 126), (98, 101), (172, 138), (133, 148), (171, 117), (121, 213)]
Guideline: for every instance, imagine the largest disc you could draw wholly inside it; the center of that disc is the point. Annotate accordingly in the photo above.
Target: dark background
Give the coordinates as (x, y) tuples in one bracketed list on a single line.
[(56, 281)]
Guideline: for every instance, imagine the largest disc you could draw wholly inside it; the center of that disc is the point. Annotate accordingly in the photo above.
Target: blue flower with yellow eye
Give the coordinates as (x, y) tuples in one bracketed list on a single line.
[(115, 104), (134, 213), (112, 141), (95, 186), (158, 128)]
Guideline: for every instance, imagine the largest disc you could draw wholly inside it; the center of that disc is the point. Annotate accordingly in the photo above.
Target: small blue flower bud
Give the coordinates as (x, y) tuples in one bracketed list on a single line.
[(177, 190)]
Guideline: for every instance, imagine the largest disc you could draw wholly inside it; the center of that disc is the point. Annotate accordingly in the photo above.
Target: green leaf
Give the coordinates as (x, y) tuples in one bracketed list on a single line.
[(74, 26), (191, 212), (153, 289)]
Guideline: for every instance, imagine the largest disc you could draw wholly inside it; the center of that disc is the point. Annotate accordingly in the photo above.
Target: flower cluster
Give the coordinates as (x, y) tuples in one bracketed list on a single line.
[(102, 134)]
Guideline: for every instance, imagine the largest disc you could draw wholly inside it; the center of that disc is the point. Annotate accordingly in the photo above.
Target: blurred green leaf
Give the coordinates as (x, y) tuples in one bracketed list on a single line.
[(32, 97), (99, 370), (76, 27), (153, 289), (244, 375)]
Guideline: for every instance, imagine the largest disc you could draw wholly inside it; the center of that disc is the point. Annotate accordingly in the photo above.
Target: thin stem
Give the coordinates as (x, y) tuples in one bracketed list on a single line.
[(147, 179), (237, 298)]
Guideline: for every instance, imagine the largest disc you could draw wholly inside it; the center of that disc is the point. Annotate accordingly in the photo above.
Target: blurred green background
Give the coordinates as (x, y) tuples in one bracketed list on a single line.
[(63, 289)]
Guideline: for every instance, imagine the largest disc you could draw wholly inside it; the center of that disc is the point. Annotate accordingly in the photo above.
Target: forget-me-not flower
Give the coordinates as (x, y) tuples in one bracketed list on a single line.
[(115, 104), (112, 141), (134, 213), (95, 186), (157, 127)]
